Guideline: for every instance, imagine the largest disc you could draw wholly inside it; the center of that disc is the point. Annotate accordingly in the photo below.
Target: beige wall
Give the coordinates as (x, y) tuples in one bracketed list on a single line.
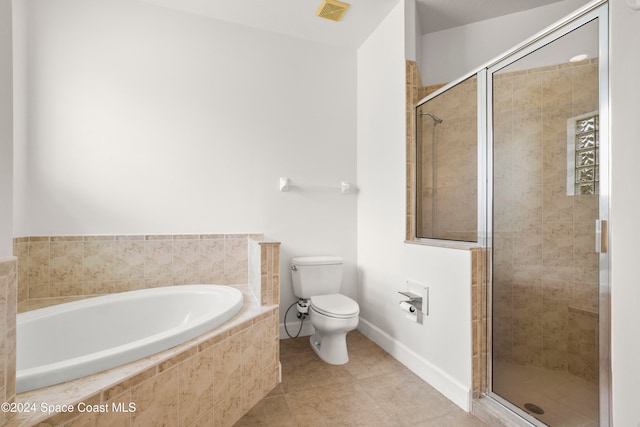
[(545, 269)]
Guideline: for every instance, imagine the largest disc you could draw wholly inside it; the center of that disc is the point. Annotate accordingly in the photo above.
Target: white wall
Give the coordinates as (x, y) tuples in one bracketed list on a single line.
[(6, 130), (385, 262), (625, 211), (449, 54), (412, 32), (145, 120)]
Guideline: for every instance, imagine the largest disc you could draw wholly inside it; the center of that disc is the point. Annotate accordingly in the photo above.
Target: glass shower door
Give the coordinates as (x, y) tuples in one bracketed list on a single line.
[(547, 193)]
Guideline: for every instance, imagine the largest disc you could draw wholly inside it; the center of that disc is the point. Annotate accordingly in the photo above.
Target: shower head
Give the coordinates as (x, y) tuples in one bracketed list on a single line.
[(435, 118)]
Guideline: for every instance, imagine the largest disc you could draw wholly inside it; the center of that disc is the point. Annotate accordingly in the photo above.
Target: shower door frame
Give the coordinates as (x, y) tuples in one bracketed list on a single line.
[(597, 9)]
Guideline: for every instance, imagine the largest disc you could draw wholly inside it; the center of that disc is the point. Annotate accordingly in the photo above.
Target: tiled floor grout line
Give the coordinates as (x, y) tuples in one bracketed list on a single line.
[(373, 389)]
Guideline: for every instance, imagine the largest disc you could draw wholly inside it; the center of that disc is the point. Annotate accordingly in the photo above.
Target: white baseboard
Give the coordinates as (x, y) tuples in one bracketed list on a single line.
[(438, 379), (293, 327)]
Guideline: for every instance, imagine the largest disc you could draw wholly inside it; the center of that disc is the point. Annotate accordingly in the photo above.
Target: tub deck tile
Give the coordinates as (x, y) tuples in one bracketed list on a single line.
[(155, 375)]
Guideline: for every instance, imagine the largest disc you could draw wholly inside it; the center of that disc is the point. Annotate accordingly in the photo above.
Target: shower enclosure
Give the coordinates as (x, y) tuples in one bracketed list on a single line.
[(446, 157), (542, 209), (549, 193)]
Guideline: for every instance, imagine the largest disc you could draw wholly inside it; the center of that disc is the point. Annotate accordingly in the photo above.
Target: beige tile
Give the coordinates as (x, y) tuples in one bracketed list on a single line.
[(66, 262), (271, 411), (229, 409), (196, 387), (157, 400), (338, 404), (186, 259), (158, 260), (128, 285), (228, 368), (300, 345), (112, 418), (251, 354), (453, 419), (405, 397), (98, 261), (98, 288), (212, 260), (557, 205), (39, 263), (308, 371), (235, 259), (253, 390), (207, 420), (370, 361), (65, 289), (128, 259)]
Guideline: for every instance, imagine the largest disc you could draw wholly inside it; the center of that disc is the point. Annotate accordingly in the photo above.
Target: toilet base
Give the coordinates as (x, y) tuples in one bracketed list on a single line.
[(331, 348)]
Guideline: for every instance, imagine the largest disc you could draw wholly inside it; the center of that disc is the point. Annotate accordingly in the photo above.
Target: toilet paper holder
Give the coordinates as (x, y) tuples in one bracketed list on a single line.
[(414, 299)]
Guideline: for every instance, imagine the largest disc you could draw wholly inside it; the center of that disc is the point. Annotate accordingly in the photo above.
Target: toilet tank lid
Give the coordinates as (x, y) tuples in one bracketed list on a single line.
[(316, 260)]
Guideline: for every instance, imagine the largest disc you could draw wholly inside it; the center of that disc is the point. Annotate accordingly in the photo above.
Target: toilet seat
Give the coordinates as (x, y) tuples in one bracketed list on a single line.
[(335, 305)]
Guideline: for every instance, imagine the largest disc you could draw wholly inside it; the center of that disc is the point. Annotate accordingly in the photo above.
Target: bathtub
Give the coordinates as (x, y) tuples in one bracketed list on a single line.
[(72, 340)]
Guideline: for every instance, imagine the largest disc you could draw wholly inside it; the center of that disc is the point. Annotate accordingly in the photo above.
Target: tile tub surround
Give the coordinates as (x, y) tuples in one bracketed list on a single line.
[(74, 266), (264, 270), (211, 380), (8, 286)]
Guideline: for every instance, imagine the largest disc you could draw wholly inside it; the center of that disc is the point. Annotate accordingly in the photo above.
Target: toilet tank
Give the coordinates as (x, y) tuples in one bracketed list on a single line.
[(316, 275)]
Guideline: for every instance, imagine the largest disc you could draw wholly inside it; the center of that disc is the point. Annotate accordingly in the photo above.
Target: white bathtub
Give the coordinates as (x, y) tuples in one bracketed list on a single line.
[(68, 341)]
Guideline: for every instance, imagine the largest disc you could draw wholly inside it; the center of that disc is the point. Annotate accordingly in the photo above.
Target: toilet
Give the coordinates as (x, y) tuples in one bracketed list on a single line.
[(317, 279)]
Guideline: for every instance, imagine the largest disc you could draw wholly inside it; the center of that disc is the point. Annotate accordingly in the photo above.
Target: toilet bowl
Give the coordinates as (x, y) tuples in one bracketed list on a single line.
[(332, 316), (318, 279)]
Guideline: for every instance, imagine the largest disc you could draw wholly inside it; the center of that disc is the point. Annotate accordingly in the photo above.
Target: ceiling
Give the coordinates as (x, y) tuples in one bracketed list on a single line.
[(438, 15), (297, 17)]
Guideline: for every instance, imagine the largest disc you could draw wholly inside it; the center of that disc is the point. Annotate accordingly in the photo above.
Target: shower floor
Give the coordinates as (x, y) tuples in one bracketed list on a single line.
[(567, 400)]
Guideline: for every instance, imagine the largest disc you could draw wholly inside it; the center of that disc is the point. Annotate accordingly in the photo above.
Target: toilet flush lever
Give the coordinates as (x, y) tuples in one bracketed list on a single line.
[(601, 236)]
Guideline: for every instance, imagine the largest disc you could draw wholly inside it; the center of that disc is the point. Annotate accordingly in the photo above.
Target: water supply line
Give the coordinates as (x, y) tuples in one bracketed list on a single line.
[(302, 314)]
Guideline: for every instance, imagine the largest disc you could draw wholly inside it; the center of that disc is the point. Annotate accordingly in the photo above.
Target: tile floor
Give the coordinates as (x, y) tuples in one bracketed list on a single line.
[(568, 401), (373, 389)]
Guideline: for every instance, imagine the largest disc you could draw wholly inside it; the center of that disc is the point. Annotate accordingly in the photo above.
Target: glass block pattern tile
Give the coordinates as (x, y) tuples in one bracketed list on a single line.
[(587, 155)]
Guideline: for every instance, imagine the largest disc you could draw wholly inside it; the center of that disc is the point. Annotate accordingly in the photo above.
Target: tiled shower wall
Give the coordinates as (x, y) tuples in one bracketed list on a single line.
[(545, 269), (546, 299), (65, 266), (448, 184), (8, 306)]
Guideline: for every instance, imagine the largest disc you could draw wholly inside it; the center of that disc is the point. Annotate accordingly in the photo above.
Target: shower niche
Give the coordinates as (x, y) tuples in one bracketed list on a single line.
[(446, 164)]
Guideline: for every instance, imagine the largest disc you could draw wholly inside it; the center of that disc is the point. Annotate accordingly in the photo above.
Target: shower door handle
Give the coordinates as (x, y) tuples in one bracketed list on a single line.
[(601, 236)]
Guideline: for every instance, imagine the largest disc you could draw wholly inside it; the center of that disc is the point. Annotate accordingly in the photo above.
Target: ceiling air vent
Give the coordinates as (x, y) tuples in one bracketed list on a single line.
[(332, 9)]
